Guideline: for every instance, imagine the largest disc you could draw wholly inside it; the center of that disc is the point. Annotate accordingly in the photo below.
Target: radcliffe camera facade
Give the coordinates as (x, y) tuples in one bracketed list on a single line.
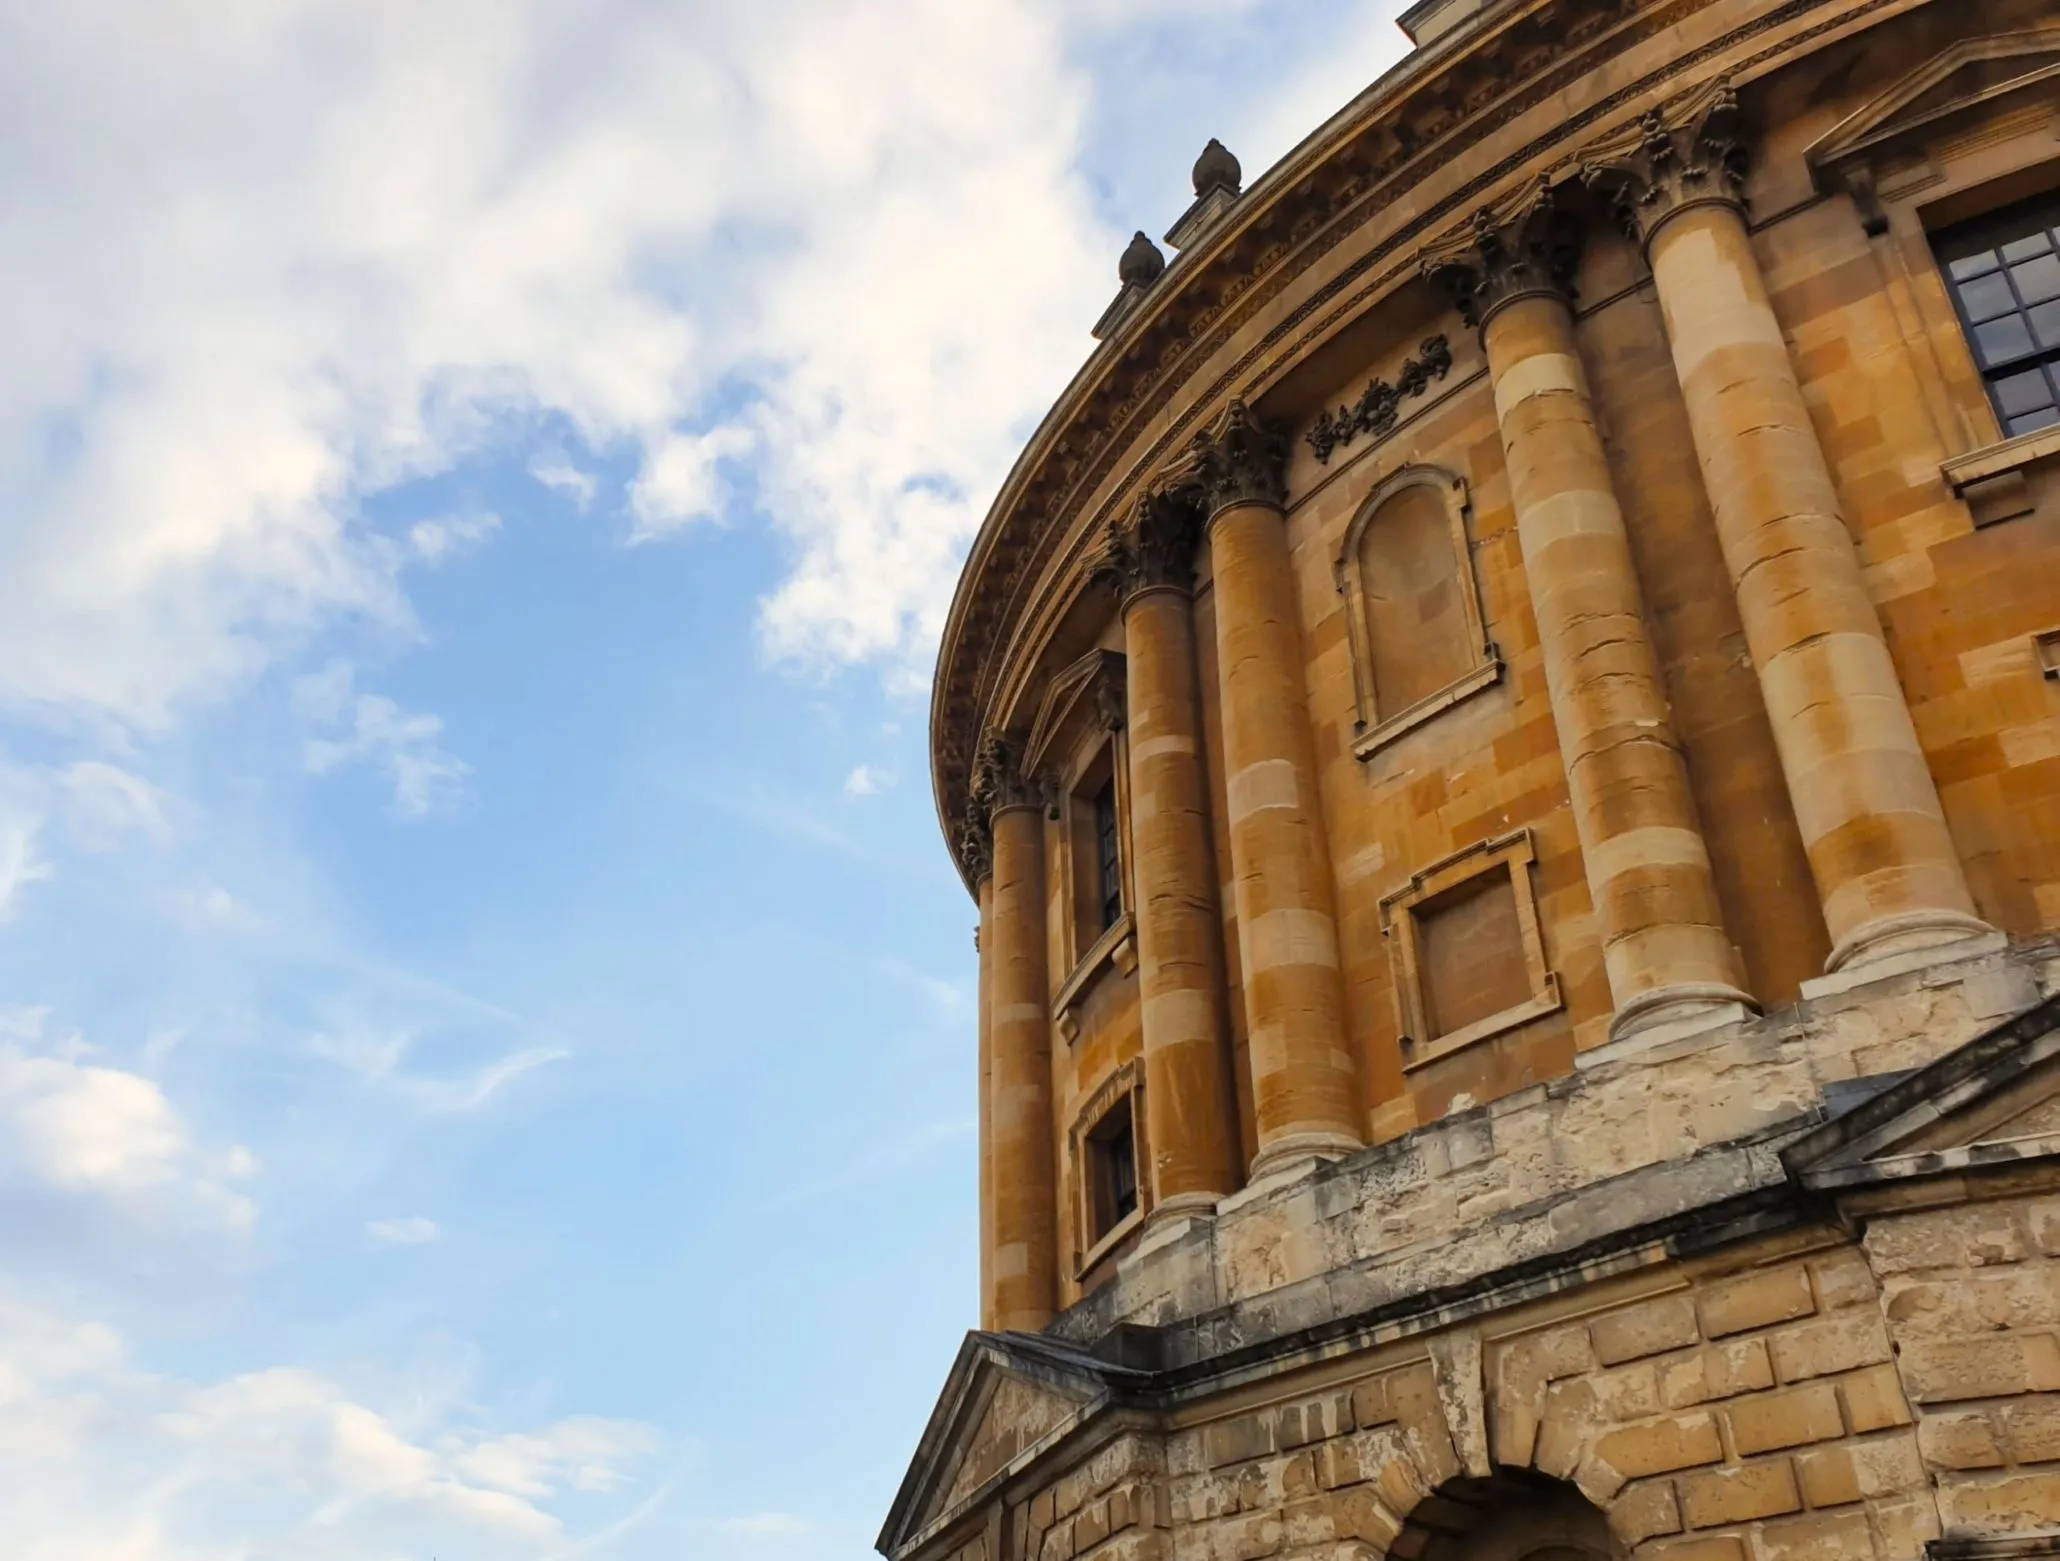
[(1505, 733)]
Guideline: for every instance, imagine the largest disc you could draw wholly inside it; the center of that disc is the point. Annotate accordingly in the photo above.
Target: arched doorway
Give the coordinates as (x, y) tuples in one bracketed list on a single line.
[(1514, 1515)]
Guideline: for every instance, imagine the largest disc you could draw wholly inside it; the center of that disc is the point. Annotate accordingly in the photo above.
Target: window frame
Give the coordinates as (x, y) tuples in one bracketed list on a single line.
[(2036, 217), (1093, 1241), (1375, 729), (1514, 854)]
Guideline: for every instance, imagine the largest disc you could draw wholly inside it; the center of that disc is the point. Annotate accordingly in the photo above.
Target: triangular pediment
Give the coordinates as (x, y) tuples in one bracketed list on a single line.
[(1994, 1101), (1010, 1398), (1069, 699), (1973, 74)]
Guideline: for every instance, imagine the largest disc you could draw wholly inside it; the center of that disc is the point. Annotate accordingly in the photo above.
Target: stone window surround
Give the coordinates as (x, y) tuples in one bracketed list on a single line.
[(1376, 730), (1513, 853), (1077, 724), (1126, 1081)]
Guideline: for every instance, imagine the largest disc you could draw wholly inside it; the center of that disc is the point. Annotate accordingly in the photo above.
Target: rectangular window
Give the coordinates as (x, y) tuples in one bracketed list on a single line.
[(1108, 856), (1112, 1168), (2004, 274)]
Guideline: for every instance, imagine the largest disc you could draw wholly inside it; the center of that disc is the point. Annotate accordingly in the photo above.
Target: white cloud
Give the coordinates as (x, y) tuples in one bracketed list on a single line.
[(415, 1231), (377, 1053), (436, 540), (561, 476), (867, 780), (73, 1128), (372, 729), (682, 480), (115, 1462)]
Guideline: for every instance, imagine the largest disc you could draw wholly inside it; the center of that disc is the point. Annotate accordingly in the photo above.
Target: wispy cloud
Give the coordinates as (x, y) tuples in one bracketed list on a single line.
[(867, 780), (376, 1053), (415, 1230), (353, 728)]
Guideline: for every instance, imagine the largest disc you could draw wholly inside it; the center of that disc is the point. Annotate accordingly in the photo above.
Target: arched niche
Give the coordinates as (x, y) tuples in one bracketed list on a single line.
[(1513, 1515), (1413, 604)]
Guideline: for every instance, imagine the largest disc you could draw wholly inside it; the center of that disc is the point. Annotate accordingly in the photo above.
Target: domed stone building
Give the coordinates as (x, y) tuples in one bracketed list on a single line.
[(1506, 736)]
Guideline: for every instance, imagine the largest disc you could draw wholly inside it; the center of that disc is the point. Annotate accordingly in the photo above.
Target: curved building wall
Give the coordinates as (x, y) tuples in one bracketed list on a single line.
[(1506, 733)]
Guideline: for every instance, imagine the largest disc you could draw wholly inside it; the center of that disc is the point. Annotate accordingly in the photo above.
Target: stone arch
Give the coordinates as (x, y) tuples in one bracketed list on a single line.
[(1512, 1515)]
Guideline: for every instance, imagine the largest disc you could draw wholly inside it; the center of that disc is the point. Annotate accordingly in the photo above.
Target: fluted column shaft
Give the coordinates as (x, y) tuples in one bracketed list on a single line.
[(1668, 958), (1190, 1110), (1025, 1262), (1886, 869), (1304, 1088)]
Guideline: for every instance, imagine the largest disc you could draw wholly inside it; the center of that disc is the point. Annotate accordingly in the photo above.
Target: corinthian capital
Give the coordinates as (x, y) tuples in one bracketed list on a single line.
[(1156, 546), (1526, 247), (1241, 460), (999, 781), (1671, 161), (976, 841)]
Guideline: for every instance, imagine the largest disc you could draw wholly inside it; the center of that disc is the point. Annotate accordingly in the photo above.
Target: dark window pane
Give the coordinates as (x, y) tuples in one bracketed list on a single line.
[(1986, 298), (2037, 280), (1974, 265), (2045, 324), (2045, 417), (1110, 864), (2002, 341), (2021, 393), (2025, 248)]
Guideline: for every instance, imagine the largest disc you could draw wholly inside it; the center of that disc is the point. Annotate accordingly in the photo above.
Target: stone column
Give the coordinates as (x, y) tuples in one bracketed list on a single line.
[(1025, 1265), (1190, 1108), (1670, 963), (978, 849), (1304, 1088), (1886, 869)]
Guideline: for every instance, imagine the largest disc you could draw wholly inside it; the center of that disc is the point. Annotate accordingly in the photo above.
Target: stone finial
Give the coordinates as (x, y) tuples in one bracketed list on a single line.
[(1670, 161), (1216, 169), (1241, 460), (1142, 264), (1156, 547), (1527, 247)]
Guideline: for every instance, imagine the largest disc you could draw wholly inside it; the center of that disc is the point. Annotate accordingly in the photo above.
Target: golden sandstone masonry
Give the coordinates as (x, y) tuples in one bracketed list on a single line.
[(1505, 734)]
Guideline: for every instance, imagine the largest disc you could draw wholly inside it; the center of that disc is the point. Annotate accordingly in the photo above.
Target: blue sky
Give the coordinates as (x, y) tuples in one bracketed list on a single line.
[(486, 1017)]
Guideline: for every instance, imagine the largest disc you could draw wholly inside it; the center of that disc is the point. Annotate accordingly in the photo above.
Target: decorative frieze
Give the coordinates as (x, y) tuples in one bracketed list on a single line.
[(1694, 154), (1529, 246), (1377, 411)]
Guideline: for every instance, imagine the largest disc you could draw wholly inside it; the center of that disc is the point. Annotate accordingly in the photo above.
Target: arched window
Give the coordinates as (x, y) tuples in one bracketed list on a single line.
[(1414, 610)]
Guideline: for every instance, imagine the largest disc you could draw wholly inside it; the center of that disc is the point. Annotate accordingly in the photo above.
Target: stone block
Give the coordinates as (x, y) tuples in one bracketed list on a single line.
[(1630, 1393), (1721, 1371), (1566, 1428), (1712, 1547), (1644, 1511), (1947, 1371), (1959, 1441), (1239, 1440), (1756, 1300), (2044, 1219), (1830, 1536), (1828, 1477), (1905, 1528), (1843, 1280), (1679, 1442), (1714, 1498), (1360, 1514), (1977, 1505), (2032, 1427), (1091, 1527), (1874, 1399), (1793, 1418), (1966, 1237), (1651, 1328), (1832, 1344)]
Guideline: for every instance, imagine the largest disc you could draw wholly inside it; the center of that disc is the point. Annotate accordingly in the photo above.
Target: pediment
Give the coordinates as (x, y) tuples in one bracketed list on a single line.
[(1009, 1399), (1993, 1102), (1973, 74), (1071, 698)]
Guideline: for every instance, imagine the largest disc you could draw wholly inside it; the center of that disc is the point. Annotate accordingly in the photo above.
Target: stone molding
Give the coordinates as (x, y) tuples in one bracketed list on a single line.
[(1529, 246), (1693, 153)]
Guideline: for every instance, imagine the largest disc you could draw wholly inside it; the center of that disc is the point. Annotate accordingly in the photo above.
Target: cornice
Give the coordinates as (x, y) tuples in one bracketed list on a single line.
[(1435, 105)]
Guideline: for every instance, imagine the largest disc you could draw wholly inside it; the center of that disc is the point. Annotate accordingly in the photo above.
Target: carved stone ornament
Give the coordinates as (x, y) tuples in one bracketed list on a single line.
[(1695, 154), (1240, 460), (998, 778), (1156, 548), (976, 845), (1378, 410), (1526, 247), (1108, 707)]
